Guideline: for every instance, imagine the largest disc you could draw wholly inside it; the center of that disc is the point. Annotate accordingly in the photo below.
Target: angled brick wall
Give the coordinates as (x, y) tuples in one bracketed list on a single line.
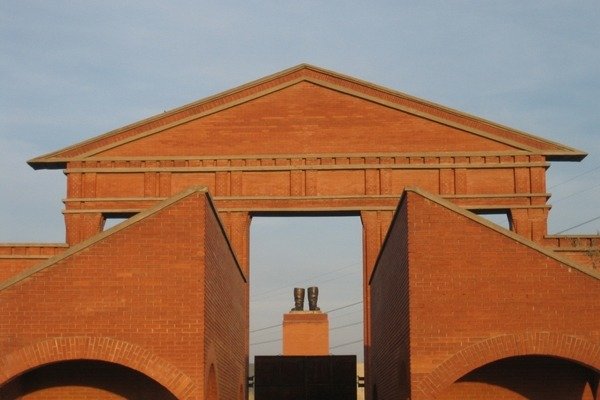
[(225, 311), (135, 295), (389, 365), (477, 294)]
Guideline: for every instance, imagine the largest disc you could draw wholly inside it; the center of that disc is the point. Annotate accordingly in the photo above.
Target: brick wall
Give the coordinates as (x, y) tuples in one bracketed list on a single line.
[(389, 367), (17, 257), (226, 312), (303, 140), (305, 118), (476, 295), (338, 150), (134, 295)]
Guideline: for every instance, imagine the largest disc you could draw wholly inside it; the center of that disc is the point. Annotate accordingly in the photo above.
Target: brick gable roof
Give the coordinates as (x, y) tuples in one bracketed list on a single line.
[(331, 80)]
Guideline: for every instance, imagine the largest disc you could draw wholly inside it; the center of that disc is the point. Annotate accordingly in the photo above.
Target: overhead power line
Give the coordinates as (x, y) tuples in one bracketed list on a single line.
[(346, 306), (346, 344), (575, 177), (345, 314), (346, 326), (331, 329), (311, 278), (577, 193), (578, 225), (265, 328), (328, 311), (265, 342)]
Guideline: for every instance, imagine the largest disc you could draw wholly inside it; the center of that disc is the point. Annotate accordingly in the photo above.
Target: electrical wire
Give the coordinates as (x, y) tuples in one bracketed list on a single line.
[(311, 278), (331, 329), (346, 306), (576, 193), (575, 177), (265, 342), (578, 225), (328, 311), (265, 328), (345, 314), (346, 326), (345, 344)]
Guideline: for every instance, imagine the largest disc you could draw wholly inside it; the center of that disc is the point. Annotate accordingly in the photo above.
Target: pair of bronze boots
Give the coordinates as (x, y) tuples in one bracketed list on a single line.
[(313, 296)]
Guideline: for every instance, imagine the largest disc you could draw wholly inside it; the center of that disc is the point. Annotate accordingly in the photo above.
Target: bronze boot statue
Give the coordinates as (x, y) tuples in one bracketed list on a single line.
[(298, 299), (313, 297)]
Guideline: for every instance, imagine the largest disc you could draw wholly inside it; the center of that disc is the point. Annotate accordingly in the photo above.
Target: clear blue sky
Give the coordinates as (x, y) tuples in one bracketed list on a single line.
[(70, 70)]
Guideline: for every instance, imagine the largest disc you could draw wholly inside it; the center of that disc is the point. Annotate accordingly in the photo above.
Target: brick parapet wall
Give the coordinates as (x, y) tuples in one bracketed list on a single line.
[(33, 250), (17, 257), (572, 242), (583, 249)]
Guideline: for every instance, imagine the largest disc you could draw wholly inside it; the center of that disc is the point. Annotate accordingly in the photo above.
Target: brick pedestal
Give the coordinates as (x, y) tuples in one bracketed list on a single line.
[(305, 333)]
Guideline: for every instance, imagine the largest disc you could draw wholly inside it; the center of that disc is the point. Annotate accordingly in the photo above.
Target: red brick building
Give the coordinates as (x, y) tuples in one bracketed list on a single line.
[(463, 309), (146, 300)]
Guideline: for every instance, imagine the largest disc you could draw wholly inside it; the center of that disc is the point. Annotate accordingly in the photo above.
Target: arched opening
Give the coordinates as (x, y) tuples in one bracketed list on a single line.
[(526, 377), (84, 379)]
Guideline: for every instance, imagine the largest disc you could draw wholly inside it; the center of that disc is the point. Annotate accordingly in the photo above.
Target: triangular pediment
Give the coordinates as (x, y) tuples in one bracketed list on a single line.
[(306, 110)]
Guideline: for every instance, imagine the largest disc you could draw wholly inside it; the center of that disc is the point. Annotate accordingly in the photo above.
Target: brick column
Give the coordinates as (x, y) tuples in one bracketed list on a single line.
[(82, 226), (305, 333), (237, 225)]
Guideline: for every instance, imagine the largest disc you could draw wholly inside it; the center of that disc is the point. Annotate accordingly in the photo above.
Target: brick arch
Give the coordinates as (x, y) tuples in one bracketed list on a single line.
[(100, 349), (563, 346)]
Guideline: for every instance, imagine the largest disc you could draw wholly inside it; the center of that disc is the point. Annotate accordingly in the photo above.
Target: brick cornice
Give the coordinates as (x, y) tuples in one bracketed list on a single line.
[(330, 167)]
